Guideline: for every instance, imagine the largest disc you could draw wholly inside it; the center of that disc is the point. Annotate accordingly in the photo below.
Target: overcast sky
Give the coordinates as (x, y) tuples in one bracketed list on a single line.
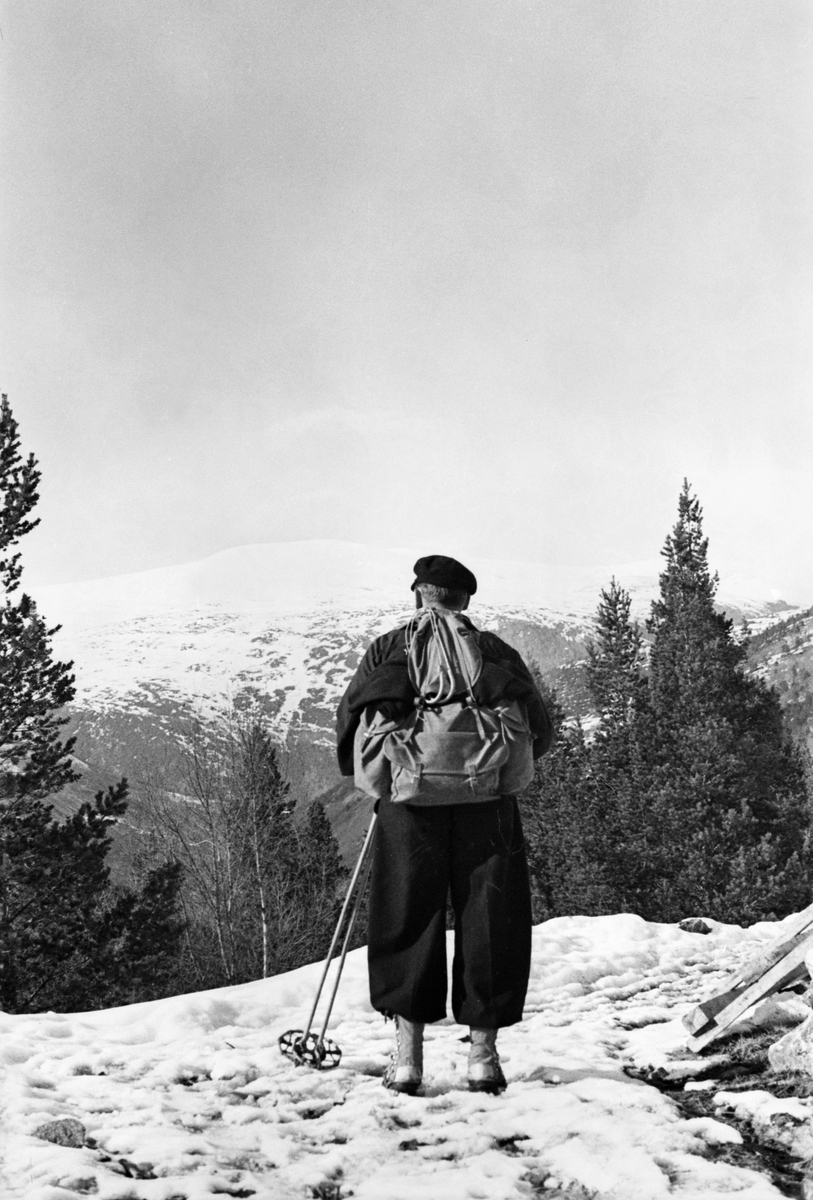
[(487, 278)]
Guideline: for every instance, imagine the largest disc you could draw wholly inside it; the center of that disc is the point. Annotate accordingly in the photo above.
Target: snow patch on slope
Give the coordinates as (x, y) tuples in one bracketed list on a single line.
[(295, 665), (284, 625)]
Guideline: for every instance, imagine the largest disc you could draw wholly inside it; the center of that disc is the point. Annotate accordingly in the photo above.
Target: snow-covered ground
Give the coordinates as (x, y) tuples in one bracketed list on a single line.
[(190, 1097)]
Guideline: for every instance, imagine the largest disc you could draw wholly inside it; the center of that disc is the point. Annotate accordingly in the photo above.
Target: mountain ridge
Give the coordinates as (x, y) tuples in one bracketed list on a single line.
[(305, 575), (277, 629)]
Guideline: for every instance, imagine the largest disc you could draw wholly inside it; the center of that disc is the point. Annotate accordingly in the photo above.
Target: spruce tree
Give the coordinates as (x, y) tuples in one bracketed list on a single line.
[(67, 938)]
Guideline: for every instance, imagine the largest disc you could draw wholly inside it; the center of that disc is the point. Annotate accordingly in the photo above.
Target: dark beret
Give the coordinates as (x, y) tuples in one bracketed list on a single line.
[(444, 572)]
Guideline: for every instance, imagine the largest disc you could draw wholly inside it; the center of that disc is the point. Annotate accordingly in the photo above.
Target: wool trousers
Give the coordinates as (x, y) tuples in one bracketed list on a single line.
[(474, 854)]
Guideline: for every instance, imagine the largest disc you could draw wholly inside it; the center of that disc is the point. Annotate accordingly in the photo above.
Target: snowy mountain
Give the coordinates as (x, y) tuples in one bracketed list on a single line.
[(285, 624), (282, 626), (189, 1097), (297, 577)]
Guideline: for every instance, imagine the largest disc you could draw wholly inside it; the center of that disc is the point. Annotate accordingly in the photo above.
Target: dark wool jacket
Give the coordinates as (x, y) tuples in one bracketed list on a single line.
[(382, 679)]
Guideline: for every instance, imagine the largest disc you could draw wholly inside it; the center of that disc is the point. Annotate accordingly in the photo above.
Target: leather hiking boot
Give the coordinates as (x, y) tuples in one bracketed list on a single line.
[(405, 1070), (485, 1073)]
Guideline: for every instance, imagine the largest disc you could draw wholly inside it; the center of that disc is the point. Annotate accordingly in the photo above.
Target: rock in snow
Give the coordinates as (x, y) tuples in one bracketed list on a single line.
[(794, 1052), (190, 1097), (67, 1132)]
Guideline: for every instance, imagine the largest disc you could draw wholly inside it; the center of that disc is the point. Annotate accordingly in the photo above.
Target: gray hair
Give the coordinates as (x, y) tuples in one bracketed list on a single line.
[(441, 597)]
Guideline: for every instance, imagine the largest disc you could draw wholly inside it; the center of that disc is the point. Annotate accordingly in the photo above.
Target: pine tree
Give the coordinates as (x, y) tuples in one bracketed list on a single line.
[(618, 758), (64, 932), (727, 786), (689, 796), (615, 662), (318, 878), (295, 866), (34, 761), (694, 656), (563, 827)]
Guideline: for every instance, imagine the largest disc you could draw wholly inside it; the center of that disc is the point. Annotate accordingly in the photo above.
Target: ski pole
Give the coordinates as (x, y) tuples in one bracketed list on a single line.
[(368, 866), (293, 1043)]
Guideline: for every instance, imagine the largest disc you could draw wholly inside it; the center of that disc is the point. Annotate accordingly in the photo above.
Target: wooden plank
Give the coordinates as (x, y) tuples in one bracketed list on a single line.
[(799, 929), (703, 1017), (706, 1015), (780, 973), (736, 984), (796, 929)]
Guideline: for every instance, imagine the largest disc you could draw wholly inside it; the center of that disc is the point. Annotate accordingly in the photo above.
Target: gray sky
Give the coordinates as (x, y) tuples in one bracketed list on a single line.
[(485, 277)]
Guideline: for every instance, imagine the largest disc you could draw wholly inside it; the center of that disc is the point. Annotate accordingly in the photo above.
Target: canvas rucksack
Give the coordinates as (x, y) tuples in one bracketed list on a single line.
[(449, 749)]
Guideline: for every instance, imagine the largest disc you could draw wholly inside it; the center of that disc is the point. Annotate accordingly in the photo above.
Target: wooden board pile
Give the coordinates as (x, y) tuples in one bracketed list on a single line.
[(778, 968)]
